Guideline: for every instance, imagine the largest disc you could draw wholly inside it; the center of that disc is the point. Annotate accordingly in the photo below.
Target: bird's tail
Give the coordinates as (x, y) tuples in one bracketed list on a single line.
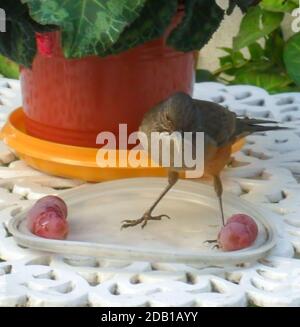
[(248, 126)]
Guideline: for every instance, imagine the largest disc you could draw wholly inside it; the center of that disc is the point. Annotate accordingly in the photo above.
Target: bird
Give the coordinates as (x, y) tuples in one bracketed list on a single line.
[(221, 127)]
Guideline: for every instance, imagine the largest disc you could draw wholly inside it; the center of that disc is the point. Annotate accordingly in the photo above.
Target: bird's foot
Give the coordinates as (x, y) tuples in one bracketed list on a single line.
[(208, 242), (144, 220)]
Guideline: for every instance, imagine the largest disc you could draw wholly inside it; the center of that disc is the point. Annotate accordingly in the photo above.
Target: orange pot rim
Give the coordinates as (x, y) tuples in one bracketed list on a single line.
[(63, 159)]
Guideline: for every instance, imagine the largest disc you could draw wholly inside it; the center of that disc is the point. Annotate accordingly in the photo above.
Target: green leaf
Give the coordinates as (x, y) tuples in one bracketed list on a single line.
[(278, 5), (231, 62), (291, 57), (238, 58), (153, 21), (290, 88), (202, 18), (243, 4), (226, 61), (259, 66), (88, 26), (256, 51), (18, 42), (274, 47), (8, 68), (271, 82), (203, 75), (230, 71), (256, 24)]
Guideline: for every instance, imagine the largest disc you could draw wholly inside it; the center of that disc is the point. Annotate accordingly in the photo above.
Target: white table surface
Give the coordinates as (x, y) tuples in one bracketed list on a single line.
[(269, 179)]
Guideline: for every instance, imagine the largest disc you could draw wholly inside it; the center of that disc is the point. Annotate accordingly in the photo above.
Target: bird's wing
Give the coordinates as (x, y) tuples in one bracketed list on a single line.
[(216, 121)]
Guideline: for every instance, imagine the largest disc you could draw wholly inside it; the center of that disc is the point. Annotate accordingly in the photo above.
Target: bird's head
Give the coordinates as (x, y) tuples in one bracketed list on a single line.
[(170, 118), (173, 114)]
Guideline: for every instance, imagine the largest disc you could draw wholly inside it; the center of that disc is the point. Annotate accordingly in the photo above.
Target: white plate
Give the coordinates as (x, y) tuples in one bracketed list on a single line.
[(96, 212)]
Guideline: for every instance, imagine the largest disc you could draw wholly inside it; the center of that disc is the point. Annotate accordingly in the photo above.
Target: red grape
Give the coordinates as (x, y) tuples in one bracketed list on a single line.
[(47, 218), (37, 209), (53, 201), (245, 220), (235, 236), (49, 224)]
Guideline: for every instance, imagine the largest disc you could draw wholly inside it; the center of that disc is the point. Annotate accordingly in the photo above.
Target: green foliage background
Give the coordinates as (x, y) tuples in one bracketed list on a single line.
[(273, 62)]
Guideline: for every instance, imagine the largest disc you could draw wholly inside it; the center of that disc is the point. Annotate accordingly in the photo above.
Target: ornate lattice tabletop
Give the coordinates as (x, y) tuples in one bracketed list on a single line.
[(266, 172)]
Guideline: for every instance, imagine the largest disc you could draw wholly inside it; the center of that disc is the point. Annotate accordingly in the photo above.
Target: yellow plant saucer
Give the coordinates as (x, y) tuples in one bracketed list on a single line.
[(66, 160)]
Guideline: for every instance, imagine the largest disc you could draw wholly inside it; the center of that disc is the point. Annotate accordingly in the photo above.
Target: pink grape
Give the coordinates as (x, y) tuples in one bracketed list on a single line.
[(49, 224), (35, 212), (245, 220), (40, 215), (235, 236), (53, 200)]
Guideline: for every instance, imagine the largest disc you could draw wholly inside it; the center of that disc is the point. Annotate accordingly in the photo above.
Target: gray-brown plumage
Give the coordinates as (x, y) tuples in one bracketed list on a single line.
[(221, 127)]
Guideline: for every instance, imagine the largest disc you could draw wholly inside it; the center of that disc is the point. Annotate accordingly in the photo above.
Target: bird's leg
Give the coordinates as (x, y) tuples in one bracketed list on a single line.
[(219, 191), (172, 179)]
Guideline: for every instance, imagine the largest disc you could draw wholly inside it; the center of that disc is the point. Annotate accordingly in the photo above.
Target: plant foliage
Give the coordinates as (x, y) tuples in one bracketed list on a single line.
[(103, 27), (273, 63)]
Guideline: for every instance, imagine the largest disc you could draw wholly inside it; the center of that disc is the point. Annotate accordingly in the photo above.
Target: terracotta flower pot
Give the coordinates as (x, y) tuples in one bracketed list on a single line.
[(71, 101)]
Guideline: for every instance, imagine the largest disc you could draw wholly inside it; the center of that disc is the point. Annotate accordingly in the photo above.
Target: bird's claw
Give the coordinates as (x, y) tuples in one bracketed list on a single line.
[(143, 221), (216, 246), (210, 241)]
